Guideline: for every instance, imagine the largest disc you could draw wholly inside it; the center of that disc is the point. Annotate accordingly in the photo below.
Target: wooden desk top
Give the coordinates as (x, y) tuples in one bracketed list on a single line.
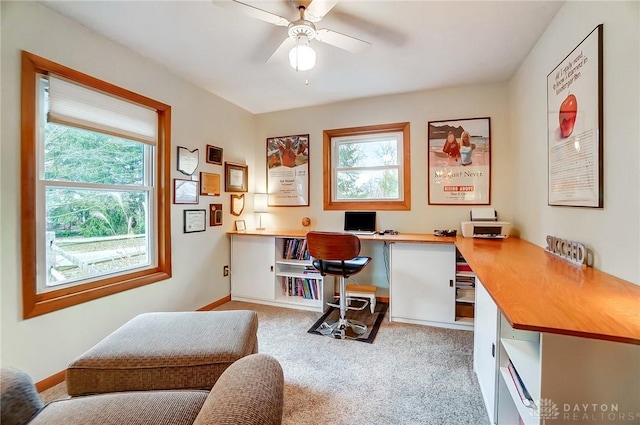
[(534, 290), (539, 292), (403, 237)]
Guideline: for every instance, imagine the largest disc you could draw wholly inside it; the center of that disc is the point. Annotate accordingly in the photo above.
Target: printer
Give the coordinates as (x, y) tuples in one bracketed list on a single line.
[(484, 224)]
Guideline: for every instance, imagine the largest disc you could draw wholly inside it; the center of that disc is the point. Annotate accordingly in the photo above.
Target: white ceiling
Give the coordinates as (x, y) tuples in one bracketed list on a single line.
[(416, 45)]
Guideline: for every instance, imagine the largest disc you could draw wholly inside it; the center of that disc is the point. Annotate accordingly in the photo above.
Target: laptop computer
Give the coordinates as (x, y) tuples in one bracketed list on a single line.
[(360, 222)]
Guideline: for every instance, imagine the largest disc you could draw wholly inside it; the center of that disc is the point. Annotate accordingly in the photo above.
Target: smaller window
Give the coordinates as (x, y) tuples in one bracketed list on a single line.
[(367, 168)]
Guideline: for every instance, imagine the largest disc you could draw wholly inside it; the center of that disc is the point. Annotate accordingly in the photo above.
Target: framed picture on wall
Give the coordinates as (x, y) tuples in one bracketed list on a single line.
[(194, 221), (287, 163), (209, 184), (574, 124), (236, 177), (185, 191), (214, 155), (215, 214), (459, 158), (187, 160)]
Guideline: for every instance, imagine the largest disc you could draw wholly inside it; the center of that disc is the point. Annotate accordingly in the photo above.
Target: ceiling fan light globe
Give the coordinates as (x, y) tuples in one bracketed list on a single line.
[(302, 57)]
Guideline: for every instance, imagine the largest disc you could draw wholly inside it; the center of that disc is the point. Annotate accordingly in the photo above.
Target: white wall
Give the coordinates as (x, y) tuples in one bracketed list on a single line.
[(613, 232), (44, 345), (418, 108)]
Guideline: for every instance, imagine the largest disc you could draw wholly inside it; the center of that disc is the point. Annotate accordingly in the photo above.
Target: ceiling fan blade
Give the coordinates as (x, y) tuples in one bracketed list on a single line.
[(342, 41), (318, 9), (253, 11), (286, 45), (388, 33)]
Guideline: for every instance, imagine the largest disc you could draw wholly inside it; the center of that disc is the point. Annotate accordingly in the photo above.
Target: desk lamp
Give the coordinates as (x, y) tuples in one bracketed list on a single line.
[(260, 207)]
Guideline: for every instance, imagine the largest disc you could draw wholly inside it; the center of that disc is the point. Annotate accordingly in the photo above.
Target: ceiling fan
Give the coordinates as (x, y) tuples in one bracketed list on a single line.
[(303, 30)]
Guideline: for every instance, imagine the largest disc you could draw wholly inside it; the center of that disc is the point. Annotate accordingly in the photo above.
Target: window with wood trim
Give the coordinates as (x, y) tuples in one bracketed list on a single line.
[(367, 168), (95, 188)]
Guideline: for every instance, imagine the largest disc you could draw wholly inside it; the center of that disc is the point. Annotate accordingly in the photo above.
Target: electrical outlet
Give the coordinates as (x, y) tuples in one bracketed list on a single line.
[(225, 271)]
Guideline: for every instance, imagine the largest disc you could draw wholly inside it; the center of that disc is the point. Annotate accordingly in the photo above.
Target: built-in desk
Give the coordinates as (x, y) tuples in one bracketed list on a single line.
[(534, 290), (420, 268), (572, 334), (537, 291)]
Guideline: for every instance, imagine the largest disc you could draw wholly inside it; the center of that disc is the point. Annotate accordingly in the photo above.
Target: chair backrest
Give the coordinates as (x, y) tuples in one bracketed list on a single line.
[(333, 246)]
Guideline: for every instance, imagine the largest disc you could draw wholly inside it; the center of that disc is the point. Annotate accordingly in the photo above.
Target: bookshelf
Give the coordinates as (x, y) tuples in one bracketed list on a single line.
[(300, 284), (465, 291), (276, 271), (521, 350), (563, 374)]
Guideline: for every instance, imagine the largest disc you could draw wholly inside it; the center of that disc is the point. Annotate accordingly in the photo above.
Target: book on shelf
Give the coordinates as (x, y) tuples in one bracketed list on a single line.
[(465, 284), (300, 287), (465, 293), (462, 266), (295, 249), (526, 398)]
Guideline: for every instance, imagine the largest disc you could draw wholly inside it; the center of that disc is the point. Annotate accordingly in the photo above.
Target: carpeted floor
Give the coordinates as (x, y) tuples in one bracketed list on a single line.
[(409, 375)]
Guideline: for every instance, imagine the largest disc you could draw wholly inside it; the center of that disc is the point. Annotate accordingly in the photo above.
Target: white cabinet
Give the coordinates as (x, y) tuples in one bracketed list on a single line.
[(485, 346), (422, 289), (252, 267), (263, 272), (570, 380)]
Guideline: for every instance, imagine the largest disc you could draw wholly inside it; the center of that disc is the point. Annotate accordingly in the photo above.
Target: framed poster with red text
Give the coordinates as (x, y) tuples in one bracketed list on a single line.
[(288, 171), (459, 157), (574, 123)]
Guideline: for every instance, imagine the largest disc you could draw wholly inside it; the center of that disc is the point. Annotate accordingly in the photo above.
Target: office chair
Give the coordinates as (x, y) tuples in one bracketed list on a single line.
[(336, 254)]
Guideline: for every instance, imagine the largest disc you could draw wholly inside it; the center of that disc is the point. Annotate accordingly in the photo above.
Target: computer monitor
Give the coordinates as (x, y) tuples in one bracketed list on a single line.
[(360, 221)]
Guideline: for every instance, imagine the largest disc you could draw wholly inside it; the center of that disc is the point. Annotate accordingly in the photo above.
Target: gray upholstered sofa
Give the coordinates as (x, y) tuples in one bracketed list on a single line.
[(249, 392)]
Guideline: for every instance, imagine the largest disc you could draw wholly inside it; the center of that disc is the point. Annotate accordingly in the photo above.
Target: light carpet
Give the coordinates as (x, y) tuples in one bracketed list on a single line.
[(411, 374)]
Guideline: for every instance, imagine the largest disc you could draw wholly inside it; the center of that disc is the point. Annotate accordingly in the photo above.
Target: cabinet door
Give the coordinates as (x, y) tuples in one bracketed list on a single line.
[(485, 346), (252, 267), (422, 282)]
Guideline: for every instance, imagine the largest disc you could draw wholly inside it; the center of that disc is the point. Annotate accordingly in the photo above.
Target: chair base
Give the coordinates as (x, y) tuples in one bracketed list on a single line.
[(348, 301), (343, 329)]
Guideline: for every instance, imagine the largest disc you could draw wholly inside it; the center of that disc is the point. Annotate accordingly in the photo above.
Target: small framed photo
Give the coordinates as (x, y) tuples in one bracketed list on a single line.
[(185, 191), (236, 177), (240, 226), (215, 214), (214, 155), (209, 184), (194, 221)]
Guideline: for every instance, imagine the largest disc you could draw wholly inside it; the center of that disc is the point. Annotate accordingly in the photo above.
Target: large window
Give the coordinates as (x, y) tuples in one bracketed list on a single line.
[(367, 168), (95, 188)]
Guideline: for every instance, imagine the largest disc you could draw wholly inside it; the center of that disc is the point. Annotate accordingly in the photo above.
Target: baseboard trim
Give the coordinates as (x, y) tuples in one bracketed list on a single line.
[(51, 381), (215, 304), (58, 378)]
